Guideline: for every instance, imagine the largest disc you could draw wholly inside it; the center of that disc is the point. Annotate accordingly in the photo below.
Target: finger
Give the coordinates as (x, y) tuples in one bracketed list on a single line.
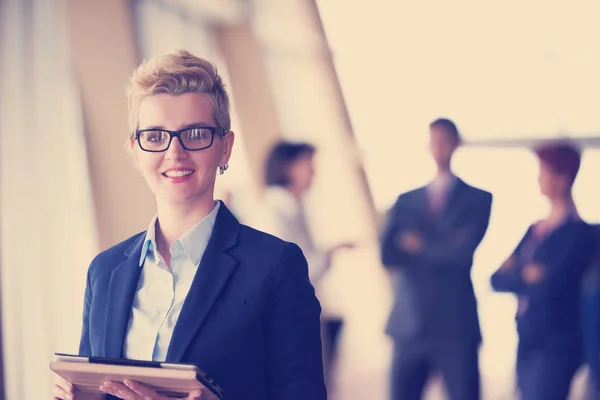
[(64, 384), (142, 390), (108, 390), (111, 391), (195, 394), (120, 390), (61, 394)]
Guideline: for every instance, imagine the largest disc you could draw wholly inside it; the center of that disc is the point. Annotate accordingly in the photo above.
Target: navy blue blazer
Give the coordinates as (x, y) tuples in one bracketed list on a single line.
[(251, 319), (434, 296), (551, 320)]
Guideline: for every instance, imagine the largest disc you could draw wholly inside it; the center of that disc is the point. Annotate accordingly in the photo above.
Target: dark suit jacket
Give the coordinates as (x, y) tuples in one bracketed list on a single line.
[(250, 320), (552, 317), (434, 298)]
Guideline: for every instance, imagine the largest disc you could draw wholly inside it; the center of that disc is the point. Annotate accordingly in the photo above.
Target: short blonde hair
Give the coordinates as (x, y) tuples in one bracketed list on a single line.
[(177, 73)]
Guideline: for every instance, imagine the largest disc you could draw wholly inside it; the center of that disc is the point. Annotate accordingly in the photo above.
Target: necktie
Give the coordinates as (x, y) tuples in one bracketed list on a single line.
[(437, 200)]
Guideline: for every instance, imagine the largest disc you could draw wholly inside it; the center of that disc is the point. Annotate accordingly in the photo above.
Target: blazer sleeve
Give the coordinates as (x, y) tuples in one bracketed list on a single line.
[(391, 254), (85, 348), (294, 356), (509, 279), (564, 265), (455, 250)]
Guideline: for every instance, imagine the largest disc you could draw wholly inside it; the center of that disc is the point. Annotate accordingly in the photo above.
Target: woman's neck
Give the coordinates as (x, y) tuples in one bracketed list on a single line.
[(295, 191), (560, 208), (174, 220)]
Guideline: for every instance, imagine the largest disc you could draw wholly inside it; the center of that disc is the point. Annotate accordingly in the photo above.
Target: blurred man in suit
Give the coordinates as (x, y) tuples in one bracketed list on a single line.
[(429, 241)]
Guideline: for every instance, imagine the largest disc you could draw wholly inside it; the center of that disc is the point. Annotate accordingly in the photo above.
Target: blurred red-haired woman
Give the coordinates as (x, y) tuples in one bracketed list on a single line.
[(545, 273)]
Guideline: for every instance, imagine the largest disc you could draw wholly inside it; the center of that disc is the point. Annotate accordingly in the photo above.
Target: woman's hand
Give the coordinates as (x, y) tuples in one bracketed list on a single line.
[(64, 390), (131, 390), (344, 246), (333, 250), (533, 273)]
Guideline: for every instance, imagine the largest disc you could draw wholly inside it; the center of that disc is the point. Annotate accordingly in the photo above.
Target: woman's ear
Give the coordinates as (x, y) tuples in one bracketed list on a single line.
[(228, 140)]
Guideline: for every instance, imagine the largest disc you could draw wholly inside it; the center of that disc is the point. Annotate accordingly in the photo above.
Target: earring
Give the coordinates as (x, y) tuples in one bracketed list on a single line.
[(223, 168)]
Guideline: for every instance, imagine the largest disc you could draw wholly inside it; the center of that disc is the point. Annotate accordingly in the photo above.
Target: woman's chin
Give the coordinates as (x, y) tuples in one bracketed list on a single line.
[(183, 198)]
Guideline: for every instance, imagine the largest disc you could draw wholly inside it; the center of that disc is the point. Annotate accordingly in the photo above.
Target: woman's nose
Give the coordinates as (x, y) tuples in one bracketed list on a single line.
[(175, 151)]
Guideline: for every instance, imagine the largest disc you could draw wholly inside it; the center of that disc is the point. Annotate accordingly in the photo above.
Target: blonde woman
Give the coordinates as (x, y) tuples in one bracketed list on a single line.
[(198, 287)]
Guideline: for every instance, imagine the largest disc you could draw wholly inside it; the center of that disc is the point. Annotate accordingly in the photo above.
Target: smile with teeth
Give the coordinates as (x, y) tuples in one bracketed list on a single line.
[(178, 173)]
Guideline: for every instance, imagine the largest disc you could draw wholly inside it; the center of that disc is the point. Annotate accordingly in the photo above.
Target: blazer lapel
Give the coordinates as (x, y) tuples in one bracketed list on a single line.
[(213, 273), (121, 292), (421, 201)]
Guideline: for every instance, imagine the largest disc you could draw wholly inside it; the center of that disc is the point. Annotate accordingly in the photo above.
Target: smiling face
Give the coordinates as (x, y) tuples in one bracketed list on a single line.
[(177, 176)]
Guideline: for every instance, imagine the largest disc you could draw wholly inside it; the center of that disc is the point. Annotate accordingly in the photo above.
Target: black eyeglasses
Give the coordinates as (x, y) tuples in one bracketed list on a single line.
[(191, 139)]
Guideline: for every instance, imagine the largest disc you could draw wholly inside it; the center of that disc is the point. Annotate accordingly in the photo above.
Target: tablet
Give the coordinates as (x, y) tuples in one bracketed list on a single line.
[(174, 380)]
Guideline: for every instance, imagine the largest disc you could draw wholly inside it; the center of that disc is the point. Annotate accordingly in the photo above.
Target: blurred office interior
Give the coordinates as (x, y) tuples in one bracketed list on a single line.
[(359, 80)]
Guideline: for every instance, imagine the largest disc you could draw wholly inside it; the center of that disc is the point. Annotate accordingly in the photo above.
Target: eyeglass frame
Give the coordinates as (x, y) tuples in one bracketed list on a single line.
[(213, 129)]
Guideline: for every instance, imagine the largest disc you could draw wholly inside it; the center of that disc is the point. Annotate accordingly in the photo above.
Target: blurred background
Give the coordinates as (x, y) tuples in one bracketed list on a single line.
[(359, 80)]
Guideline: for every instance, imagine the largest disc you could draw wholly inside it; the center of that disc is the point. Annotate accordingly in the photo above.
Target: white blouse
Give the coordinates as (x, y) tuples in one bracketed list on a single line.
[(282, 215)]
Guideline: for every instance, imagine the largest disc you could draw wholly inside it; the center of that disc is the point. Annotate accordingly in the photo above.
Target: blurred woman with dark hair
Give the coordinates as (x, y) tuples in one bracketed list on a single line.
[(545, 272), (289, 176)]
